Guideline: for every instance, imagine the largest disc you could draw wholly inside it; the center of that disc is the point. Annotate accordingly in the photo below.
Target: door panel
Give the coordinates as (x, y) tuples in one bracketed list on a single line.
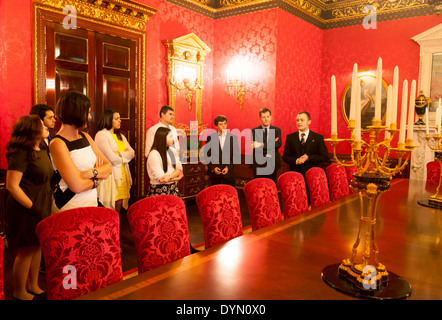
[(70, 48), (103, 67), (115, 82), (66, 80)]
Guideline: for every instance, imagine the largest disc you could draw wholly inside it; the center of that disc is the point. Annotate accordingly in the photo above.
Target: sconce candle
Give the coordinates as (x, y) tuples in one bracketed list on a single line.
[(354, 79), (377, 108), (395, 94), (403, 111), (411, 111), (334, 111)]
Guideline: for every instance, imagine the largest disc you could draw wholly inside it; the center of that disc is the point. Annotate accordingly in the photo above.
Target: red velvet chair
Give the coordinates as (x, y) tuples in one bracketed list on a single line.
[(293, 194), (337, 178), (220, 214), (160, 230), (318, 187), (2, 288), (263, 203), (81, 250), (349, 172), (433, 172)]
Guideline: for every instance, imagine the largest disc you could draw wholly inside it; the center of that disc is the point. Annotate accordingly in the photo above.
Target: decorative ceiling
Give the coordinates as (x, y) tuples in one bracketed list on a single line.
[(325, 14)]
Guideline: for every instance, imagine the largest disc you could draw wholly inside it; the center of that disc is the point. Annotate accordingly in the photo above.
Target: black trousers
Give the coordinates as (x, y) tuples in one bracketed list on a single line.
[(222, 179)]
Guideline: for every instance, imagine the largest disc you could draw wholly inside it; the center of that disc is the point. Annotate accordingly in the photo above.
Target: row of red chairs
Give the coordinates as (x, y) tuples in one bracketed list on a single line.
[(81, 247)]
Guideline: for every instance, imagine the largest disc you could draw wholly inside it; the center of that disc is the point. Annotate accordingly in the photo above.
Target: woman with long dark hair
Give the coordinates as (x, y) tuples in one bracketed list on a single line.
[(75, 156), (114, 192), (28, 181), (163, 165)]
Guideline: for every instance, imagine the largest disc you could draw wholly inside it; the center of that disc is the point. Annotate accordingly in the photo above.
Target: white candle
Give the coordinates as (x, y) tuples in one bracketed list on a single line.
[(334, 110), (358, 111), (436, 120), (354, 79), (426, 122), (388, 112), (403, 111), (395, 94), (411, 110), (439, 117), (377, 106)]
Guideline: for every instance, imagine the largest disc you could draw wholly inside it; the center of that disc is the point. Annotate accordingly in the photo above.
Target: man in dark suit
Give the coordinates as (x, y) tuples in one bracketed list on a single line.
[(266, 140), (221, 154), (304, 149)]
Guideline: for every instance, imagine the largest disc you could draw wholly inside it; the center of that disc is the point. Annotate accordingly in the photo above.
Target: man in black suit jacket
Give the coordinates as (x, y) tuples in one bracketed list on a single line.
[(304, 149), (221, 153), (266, 140)]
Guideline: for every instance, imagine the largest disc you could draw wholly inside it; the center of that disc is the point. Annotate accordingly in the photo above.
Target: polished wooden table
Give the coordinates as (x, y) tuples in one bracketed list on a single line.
[(284, 261)]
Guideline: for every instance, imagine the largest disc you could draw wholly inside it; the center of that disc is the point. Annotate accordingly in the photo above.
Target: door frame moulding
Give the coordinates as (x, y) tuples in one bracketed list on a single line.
[(124, 19)]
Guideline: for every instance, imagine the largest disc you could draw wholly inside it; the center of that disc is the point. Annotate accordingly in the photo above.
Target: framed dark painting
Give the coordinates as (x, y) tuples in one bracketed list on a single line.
[(368, 97)]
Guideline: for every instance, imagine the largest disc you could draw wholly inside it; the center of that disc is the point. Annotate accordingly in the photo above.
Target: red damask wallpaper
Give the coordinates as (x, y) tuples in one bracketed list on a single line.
[(169, 22), (298, 75), (391, 41), (252, 39), (15, 68)]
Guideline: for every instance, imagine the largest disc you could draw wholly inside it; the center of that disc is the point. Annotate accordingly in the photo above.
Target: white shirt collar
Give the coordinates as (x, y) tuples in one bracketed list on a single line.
[(306, 134)]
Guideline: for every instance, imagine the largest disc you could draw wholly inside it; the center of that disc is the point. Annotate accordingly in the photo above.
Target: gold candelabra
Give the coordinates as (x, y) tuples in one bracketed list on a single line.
[(367, 276)]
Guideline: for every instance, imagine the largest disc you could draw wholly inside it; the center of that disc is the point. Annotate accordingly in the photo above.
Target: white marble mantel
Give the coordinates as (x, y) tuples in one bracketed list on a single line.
[(422, 154)]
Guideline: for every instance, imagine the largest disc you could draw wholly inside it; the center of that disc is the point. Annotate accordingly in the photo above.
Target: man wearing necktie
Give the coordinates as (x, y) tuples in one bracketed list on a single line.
[(266, 140), (304, 149), (221, 154)]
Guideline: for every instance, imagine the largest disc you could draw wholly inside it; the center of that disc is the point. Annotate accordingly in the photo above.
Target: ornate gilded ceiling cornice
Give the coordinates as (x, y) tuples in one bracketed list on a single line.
[(124, 13), (325, 14)]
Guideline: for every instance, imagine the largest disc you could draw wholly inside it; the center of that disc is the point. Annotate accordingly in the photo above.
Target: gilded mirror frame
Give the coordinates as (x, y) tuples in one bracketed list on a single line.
[(189, 52)]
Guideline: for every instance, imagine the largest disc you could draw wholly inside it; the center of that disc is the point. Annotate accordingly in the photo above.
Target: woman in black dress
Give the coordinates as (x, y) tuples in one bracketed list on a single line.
[(30, 199)]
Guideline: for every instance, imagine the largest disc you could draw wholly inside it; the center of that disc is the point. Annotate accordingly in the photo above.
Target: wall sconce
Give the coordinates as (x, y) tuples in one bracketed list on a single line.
[(185, 80), (235, 82)]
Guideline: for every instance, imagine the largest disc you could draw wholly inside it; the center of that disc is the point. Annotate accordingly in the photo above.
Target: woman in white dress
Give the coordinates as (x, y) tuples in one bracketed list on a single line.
[(114, 192), (163, 165), (75, 156)]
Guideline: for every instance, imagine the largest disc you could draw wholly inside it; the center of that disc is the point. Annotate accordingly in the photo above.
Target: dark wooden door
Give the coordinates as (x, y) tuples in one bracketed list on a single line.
[(98, 65), (115, 81)]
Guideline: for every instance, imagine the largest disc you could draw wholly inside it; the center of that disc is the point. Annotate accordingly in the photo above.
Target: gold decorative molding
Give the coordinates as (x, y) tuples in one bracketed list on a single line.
[(324, 14), (357, 10), (121, 13)]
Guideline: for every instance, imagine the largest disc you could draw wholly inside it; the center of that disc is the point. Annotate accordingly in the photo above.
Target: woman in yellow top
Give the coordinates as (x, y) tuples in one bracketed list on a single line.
[(114, 192)]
